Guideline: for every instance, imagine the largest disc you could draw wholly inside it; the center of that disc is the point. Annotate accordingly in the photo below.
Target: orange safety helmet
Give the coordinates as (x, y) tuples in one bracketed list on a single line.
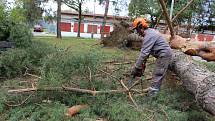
[(140, 23)]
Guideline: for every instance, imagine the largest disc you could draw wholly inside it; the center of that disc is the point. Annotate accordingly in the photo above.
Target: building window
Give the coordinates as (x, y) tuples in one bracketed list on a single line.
[(92, 28), (76, 28), (66, 27), (106, 29)]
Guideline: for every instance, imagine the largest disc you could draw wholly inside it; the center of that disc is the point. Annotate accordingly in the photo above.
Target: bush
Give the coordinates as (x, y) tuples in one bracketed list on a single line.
[(2, 100), (13, 62), (4, 28), (63, 67), (21, 35), (42, 112), (37, 51), (12, 26)]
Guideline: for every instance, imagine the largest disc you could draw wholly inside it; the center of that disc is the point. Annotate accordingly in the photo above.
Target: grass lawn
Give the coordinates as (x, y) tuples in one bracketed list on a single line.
[(81, 44), (172, 104)]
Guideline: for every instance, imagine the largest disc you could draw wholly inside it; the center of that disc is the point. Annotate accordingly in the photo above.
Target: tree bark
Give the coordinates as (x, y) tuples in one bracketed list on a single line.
[(105, 17), (58, 18), (79, 19), (196, 79)]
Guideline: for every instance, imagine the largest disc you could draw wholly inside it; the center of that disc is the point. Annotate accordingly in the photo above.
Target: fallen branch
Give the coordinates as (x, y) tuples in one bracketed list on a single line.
[(63, 88), (94, 93), (165, 113), (90, 79), (26, 73), (33, 75), (137, 82), (117, 62), (109, 74), (22, 90), (129, 93), (122, 63)]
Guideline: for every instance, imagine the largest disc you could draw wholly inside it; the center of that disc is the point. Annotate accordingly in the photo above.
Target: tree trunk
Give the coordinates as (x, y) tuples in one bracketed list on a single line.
[(58, 18), (163, 6), (196, 79), (79, 18), (105, 17)]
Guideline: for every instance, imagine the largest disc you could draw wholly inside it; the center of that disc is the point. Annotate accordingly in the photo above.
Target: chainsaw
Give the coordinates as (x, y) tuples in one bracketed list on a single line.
[(131, 81)]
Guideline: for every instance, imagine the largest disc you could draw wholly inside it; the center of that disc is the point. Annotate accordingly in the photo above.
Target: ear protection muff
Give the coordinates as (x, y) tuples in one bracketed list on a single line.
[(139, 25)]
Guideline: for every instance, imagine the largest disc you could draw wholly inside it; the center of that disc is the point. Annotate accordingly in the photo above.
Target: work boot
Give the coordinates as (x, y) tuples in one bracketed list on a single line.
[(152, 92)]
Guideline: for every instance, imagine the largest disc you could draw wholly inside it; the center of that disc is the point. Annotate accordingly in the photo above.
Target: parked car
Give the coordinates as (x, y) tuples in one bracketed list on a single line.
[(38, 28)]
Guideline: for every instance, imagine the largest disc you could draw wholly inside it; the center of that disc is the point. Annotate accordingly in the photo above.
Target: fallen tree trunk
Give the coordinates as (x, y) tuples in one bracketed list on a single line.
[(203, 49), (122, 37), (196, 79)]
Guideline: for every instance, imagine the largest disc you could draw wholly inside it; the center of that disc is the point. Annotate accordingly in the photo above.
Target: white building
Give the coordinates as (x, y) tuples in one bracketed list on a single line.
[(90, 24)]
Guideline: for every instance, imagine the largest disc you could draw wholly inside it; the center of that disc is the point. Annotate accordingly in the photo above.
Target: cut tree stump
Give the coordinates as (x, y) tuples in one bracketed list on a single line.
[(197, 80)]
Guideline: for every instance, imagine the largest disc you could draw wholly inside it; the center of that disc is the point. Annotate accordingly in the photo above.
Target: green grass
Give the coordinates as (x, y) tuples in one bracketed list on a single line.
[(81, 44), (173, 102)]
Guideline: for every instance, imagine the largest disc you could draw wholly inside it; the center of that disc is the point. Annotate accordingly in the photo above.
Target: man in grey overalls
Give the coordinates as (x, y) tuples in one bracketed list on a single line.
[(153, 44)]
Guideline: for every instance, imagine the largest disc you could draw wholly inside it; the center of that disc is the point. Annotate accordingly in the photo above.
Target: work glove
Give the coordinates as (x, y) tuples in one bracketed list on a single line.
[(136, 72)]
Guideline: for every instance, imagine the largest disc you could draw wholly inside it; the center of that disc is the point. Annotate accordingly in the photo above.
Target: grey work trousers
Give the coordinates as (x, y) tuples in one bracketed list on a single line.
[(161, 66)]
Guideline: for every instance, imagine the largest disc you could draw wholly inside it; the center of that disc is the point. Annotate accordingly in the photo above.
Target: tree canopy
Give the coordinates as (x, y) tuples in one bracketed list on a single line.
[(143, 7), (201, 11)]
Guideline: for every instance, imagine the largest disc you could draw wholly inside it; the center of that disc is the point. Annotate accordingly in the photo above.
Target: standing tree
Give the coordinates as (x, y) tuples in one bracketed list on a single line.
[(184, 11), (205, 16), (1, 2), (33, 9), (106, 2), (77, 6), (119, 6), (143, 7), (58, 18)]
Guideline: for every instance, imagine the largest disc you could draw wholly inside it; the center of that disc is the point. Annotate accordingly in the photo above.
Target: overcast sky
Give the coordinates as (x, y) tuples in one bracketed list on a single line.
[(89, 4)]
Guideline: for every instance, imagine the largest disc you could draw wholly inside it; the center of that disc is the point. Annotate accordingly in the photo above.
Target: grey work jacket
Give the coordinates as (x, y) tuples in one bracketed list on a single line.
[(153, 44)]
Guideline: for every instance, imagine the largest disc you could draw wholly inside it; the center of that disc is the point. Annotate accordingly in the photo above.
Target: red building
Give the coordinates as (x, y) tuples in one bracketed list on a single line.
[(90, 24)]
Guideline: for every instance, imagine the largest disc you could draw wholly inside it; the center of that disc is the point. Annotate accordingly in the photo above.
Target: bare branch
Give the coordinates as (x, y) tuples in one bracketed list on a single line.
[(129, 93), (63, 88), (182, 10)]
